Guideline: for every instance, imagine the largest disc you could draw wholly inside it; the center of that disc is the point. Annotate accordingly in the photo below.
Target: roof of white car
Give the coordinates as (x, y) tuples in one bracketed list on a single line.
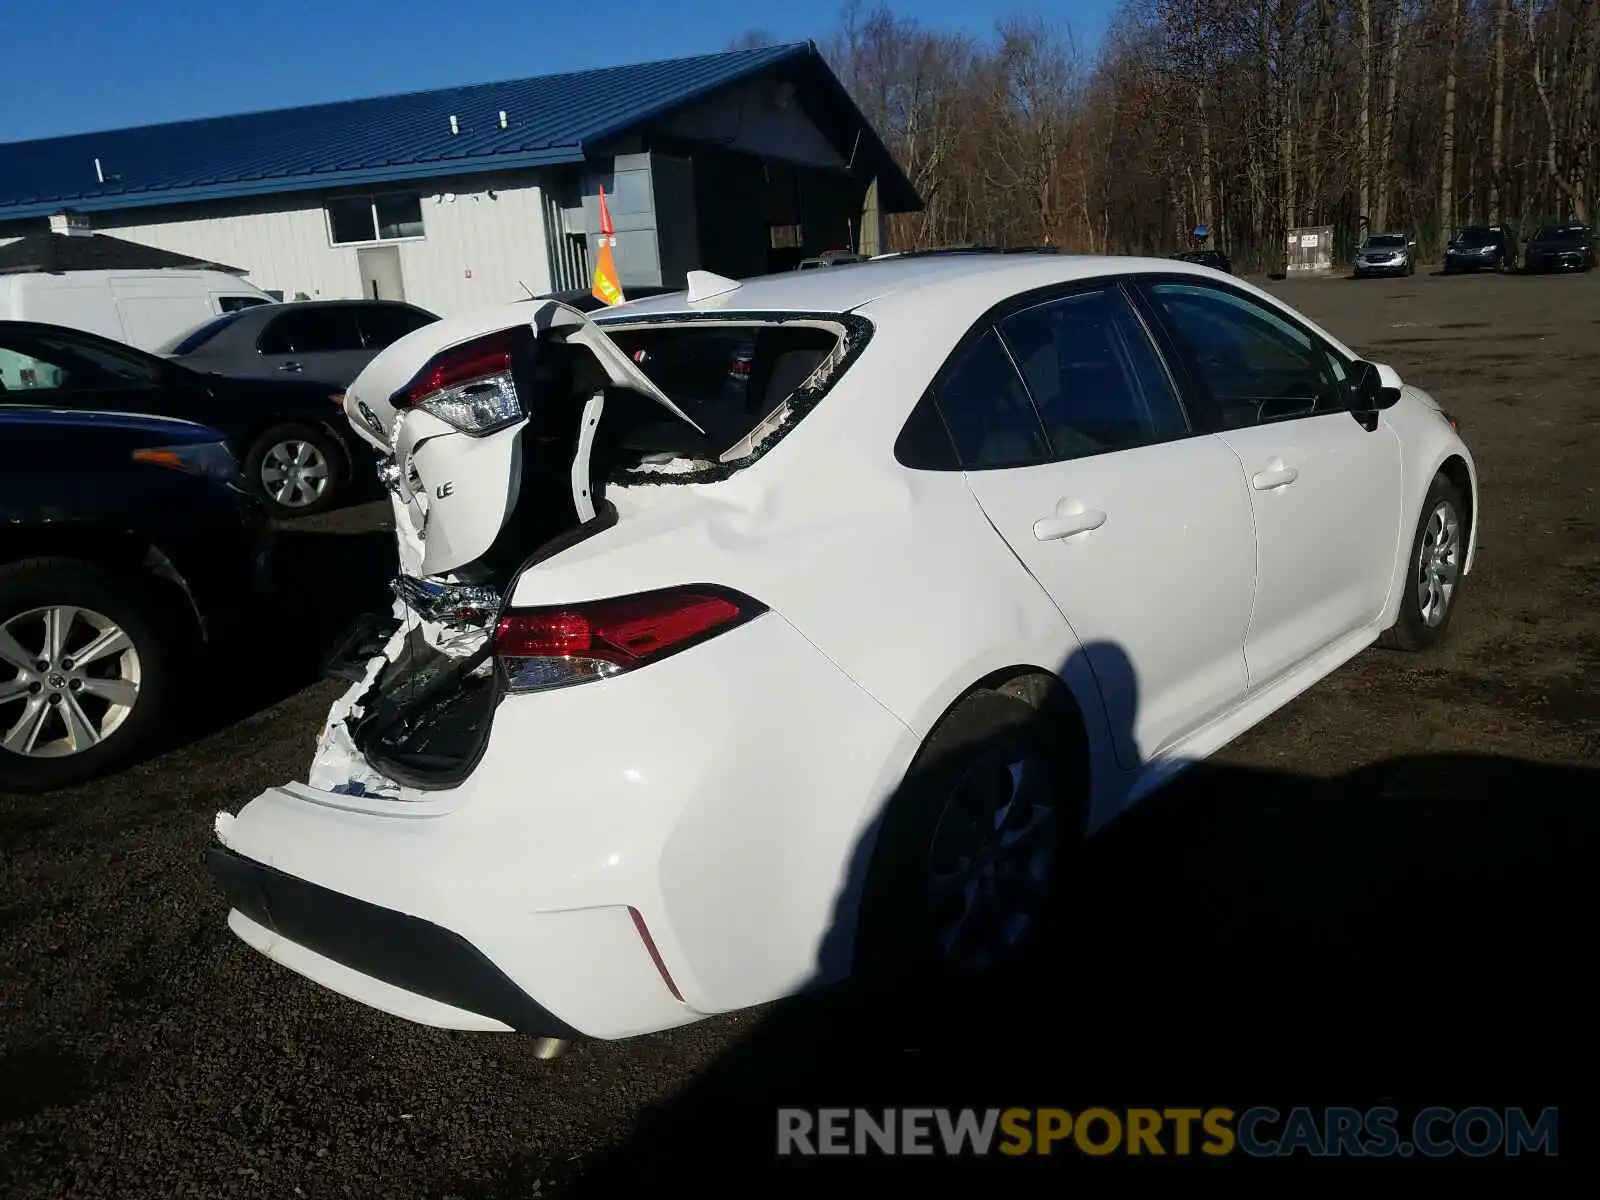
[(984, 279)]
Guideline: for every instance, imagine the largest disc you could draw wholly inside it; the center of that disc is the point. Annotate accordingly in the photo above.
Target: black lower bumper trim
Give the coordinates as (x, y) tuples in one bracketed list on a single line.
[(394, 947)]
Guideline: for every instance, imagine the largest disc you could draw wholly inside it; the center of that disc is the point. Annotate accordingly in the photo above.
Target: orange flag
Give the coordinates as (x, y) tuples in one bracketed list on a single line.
[(607, 286)]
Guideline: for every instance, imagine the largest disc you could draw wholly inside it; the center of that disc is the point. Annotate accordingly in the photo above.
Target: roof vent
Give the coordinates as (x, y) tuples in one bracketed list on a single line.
[(455, 126)]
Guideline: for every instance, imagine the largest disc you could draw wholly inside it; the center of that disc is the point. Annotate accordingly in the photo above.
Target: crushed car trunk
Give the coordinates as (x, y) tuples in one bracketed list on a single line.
[(499, 450)]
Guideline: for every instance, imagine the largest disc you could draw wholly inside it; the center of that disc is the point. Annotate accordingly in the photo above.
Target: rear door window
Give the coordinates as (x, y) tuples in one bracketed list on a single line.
[(312, 331), (1095, 378)]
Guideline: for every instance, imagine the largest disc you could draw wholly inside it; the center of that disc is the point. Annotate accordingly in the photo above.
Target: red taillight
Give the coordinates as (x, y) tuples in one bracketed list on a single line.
[(480, 359), (551, 647)]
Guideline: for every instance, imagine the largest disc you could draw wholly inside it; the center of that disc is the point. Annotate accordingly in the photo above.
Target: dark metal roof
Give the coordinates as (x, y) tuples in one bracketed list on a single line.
[(551, 119), (47, 251)]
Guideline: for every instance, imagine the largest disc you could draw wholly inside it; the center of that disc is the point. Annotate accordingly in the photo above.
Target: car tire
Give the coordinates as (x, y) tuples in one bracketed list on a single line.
[(1438, 553), (988, 740), (100, 599), (297, 470)]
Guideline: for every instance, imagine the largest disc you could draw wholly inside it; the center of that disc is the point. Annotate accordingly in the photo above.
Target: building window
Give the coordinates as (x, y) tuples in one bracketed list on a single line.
[(786, 237), (388, 217)]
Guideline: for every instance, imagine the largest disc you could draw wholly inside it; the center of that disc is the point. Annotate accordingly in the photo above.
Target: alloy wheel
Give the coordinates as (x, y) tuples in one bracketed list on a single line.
[(294, 473), (76, 677), (1438, 563), (992, 858)]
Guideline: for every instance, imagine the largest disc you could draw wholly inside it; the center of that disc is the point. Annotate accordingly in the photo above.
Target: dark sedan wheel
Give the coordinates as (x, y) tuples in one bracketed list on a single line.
[(87, 659), (297, 469)]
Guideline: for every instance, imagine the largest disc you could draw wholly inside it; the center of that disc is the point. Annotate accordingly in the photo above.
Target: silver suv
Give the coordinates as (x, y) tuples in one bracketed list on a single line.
[(1386, 254)]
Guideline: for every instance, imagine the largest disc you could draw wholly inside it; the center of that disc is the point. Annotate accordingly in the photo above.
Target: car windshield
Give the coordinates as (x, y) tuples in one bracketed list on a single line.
[(1566, 234), (1475, 237), (1386, 241), (732, 376), (187, 343)]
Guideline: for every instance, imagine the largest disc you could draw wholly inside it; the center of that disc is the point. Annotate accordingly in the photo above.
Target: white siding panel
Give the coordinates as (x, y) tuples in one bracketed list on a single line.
[(484, 237)]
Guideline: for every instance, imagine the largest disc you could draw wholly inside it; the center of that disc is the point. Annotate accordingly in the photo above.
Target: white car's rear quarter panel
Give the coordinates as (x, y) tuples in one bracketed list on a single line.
[(720, 792)]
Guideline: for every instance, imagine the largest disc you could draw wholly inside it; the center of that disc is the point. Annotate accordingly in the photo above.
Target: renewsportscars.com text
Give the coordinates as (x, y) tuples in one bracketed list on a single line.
[(1260, 1132)]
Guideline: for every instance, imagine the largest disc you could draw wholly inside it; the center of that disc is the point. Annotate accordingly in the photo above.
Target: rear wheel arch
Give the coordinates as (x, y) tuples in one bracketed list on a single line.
[(1455, 469), (108, 547)]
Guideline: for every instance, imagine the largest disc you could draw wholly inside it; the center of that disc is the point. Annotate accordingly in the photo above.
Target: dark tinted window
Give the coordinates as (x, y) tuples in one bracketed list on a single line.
[(1561, 233), (1095, 379), (198, 337), (230, 304), (312, 331), (399, 215), (988, 412), (1476, 237), (1250, 364), (386, 323)]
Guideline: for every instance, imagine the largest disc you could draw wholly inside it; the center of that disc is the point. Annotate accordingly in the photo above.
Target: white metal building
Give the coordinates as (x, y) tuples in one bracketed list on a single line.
[(740, 163)]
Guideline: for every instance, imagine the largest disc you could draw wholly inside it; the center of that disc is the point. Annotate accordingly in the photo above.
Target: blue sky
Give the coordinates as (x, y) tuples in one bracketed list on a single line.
[(73, 66)]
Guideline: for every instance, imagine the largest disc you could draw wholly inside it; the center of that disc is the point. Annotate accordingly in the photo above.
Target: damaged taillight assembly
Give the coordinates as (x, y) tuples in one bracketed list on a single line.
[(542, 648), (471, 387)]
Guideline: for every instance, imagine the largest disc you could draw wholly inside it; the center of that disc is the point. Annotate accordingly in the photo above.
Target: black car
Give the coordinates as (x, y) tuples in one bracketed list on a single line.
[(298, 451), (1481, 248), (326, 341), (1560, 248), (1215, 259), (125, 547)]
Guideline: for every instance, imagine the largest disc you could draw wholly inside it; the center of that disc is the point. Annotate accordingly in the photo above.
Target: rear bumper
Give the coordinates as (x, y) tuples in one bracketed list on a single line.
[(631, 856), (391, 960)]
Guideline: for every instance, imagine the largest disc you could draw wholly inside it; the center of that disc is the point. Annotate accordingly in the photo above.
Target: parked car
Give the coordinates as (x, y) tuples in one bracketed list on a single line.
[(298, 452), (143, 308), (1386, 254), (1215, 259), (1560, 248), (324, 341), (829, 258), (702, 697), (1481, 248), (125, 546)]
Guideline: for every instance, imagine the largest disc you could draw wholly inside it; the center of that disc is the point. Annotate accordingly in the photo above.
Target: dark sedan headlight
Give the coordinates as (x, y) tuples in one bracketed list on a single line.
[(211, 460)]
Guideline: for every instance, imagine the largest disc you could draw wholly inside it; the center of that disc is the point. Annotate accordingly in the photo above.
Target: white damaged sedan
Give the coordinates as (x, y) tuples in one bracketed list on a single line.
[(756, 636)]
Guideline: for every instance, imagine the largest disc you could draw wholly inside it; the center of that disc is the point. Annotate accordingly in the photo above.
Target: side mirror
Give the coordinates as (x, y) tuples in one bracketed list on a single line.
[(1375, 387)]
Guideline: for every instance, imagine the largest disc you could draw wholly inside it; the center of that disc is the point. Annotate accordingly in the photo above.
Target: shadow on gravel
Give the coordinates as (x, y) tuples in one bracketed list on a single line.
[(1413, 933), (326, 580)]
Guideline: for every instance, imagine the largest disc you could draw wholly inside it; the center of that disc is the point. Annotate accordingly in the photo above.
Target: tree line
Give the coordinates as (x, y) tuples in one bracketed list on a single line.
[(1250, 117)]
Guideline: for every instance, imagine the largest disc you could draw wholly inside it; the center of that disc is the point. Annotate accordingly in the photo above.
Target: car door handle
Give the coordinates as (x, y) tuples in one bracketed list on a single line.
[(1275, 477), (1065, 525), (291, 366)]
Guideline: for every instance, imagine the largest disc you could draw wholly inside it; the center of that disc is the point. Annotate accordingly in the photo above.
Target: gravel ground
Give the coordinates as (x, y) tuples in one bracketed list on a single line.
[(1373, 894)]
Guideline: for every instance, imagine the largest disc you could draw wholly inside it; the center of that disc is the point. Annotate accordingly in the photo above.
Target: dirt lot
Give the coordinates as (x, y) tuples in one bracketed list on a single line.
[(1329, 912)]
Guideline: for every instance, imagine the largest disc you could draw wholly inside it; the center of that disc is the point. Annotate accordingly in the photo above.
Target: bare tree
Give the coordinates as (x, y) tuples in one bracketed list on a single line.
[(1502, 11)]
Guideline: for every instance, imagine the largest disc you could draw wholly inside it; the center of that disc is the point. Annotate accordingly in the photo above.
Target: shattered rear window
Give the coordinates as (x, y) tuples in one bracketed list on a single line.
[(744, 379)]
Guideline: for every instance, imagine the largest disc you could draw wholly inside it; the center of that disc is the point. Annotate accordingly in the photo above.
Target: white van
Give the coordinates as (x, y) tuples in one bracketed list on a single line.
[(144, 308)]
